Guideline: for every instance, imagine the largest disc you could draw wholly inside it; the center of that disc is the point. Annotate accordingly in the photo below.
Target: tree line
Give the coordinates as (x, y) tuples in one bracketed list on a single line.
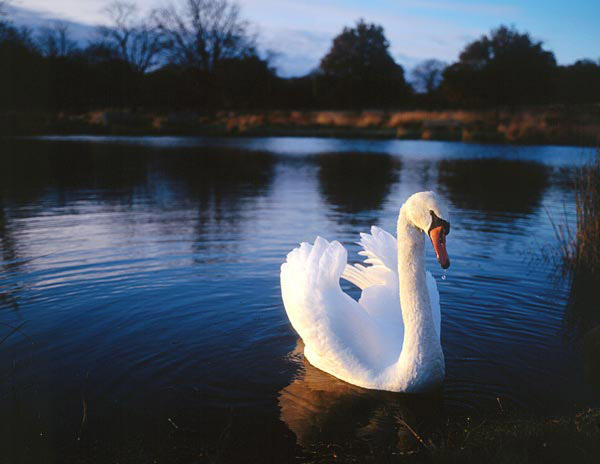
[(202, 55)]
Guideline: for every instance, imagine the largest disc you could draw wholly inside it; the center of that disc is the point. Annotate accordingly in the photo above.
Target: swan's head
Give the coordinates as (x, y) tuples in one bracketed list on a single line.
[(429, 213)]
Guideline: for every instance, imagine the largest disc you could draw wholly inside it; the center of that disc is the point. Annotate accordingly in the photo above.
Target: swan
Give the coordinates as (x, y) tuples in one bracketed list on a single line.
[(390, 338)]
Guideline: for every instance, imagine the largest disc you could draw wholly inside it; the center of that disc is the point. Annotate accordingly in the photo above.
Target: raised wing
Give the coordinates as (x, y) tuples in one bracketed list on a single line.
[(378, 281), (381, 251), (340, 337)]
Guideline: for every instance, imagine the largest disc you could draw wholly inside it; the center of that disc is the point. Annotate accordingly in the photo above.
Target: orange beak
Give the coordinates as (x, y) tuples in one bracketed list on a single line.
[(438, 239)]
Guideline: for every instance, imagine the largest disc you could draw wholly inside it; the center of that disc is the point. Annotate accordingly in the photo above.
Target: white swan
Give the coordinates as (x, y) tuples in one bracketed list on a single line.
[(390, 338)]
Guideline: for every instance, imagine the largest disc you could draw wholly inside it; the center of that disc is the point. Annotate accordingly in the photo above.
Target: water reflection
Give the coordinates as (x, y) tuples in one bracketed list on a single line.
[(60, 171), (31, 169), (494, 185), (7, 244), (322, 410), (221, 185), (356, 183), (9, 262), (73, 178), (219, 179), (73, 200)]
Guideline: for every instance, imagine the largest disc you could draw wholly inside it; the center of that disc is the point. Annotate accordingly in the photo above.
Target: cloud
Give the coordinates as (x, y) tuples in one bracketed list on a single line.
[(297, 51), (283, 30), (37, 20), (488, 9), (300, 32), (86, 12)]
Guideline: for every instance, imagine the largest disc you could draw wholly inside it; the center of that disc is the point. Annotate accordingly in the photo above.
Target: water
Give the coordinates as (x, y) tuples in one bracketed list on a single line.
[(145, 272)]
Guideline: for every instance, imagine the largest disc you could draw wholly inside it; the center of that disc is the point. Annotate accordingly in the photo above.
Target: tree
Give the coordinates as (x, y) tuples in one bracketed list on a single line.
[(579, 82), (55, 41), (204, 32), (98, 53), (505, 68), (136, 40), (427, 75), (22, 80), (360, 70), (246, 82)]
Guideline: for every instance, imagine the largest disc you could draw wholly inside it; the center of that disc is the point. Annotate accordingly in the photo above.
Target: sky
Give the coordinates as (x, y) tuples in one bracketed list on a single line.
[(299, 32)]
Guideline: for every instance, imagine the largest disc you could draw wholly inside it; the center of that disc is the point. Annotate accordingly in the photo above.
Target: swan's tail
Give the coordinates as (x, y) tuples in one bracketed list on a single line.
[(309, 271)]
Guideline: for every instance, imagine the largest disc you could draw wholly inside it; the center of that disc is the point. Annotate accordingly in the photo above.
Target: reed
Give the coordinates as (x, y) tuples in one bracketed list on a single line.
[(587, 196), (11, 331), (581, 250)]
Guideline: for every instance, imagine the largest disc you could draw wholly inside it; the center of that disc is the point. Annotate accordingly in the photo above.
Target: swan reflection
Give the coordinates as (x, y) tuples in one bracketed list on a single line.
[(324, 411)]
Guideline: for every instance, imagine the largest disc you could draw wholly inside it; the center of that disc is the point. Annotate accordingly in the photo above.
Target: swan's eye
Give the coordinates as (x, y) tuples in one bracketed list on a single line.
[(437, 222)]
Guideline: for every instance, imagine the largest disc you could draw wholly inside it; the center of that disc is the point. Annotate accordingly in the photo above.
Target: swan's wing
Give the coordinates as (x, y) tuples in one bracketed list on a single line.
[(340, 337), (379, 281), (381, 251), (434, 297)]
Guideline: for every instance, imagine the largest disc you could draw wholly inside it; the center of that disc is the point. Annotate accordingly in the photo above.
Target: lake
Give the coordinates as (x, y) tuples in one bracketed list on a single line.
[(143, 277)]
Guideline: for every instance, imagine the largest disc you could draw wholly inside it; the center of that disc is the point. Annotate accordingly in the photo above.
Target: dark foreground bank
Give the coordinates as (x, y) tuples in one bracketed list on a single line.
[(241, 437)]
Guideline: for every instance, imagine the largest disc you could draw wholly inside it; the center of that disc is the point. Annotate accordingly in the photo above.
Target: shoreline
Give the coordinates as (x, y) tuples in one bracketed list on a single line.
[(550, 125), (500, 438)]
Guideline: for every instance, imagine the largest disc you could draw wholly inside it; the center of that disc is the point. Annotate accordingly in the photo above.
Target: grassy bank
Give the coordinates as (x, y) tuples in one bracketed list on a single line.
[(495, 440), (567, 125), (502, 439)]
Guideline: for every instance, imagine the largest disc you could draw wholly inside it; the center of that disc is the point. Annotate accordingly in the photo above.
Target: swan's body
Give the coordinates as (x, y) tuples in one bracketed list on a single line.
[(390, 338)]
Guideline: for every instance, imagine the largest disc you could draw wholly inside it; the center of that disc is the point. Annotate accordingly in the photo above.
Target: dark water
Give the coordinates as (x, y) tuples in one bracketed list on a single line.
[(144, 274)]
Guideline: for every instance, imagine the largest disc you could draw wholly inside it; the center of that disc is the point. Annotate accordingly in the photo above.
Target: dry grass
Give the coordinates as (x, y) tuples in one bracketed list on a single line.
[(580, 249), (587, 197), (547, 125), (503, 439), (579, 125), (523, 440)]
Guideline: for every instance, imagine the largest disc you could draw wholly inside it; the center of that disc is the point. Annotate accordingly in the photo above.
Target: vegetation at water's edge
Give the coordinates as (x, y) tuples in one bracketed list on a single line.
[(581, 253), (580, 256), (559, 125), (510, 439), (580, 249), (504, 438)]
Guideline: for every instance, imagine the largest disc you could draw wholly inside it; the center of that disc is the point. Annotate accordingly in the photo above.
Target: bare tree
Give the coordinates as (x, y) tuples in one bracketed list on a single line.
[(204, 32), (427, 75), (55, 41), (137, 41)]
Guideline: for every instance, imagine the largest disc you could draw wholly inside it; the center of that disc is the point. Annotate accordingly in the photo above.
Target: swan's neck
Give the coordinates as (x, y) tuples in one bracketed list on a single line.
[(421, 356)]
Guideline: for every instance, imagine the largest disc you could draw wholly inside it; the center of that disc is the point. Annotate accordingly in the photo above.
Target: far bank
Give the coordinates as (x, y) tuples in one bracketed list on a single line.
[(557, 125)]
